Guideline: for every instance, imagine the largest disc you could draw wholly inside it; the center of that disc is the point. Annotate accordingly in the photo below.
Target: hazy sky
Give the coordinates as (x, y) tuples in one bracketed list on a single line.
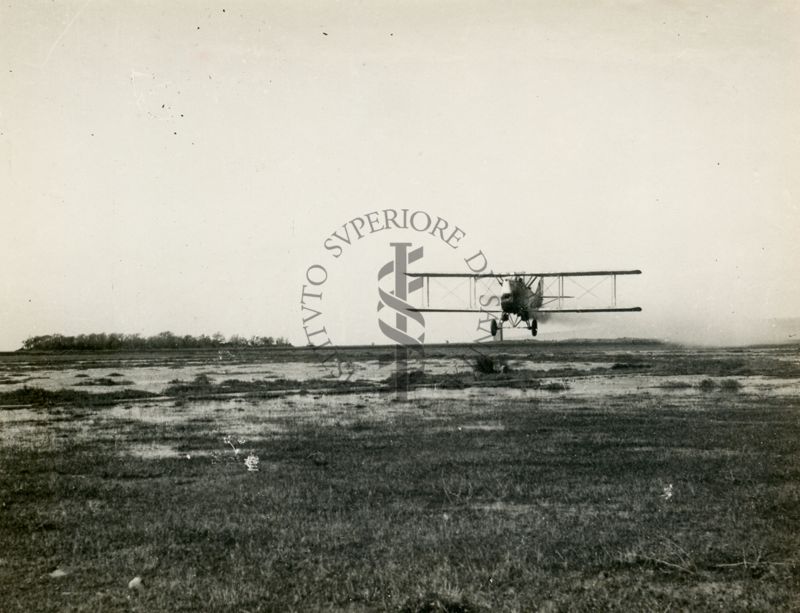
[(178, 165)]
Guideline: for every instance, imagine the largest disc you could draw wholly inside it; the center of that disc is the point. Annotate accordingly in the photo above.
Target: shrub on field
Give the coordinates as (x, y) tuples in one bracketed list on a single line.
[(555, 386), (674, 385), (415, 377), (628, 365), (490, 364), (451, 381), (730, 385), (707, 385), (200, 384), (105, 382)]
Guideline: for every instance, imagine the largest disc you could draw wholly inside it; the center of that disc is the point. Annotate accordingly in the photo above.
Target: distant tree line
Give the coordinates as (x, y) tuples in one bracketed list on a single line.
[(164, 340)]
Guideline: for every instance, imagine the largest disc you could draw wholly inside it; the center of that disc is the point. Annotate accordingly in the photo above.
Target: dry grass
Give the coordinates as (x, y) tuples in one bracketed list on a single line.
[(636, 502)]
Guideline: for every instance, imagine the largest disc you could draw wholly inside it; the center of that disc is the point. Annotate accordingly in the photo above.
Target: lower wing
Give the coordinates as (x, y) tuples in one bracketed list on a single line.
[(620, 310)]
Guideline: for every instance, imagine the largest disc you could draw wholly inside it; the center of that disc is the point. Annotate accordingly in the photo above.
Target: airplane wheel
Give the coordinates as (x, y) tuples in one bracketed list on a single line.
[(534, 328), (494, 327)]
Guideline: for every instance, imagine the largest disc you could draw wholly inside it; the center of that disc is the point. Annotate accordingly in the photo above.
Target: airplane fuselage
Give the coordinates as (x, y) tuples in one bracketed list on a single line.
[(521, 300)]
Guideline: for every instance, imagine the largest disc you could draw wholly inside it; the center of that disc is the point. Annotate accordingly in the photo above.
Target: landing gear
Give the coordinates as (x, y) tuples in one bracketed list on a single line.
[(534, 327), (493, 327)]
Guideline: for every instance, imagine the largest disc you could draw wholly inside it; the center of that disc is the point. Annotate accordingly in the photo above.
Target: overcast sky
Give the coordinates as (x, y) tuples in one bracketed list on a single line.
[(178, 165)]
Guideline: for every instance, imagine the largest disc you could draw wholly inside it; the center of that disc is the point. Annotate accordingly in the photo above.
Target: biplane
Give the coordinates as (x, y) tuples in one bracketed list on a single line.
[(531, 297)]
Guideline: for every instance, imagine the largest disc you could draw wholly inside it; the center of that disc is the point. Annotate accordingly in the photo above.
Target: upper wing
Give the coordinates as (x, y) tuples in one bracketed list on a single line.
[(585, 273)]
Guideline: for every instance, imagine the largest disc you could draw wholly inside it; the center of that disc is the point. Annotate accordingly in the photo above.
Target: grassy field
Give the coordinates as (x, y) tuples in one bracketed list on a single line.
[(680, 499)]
